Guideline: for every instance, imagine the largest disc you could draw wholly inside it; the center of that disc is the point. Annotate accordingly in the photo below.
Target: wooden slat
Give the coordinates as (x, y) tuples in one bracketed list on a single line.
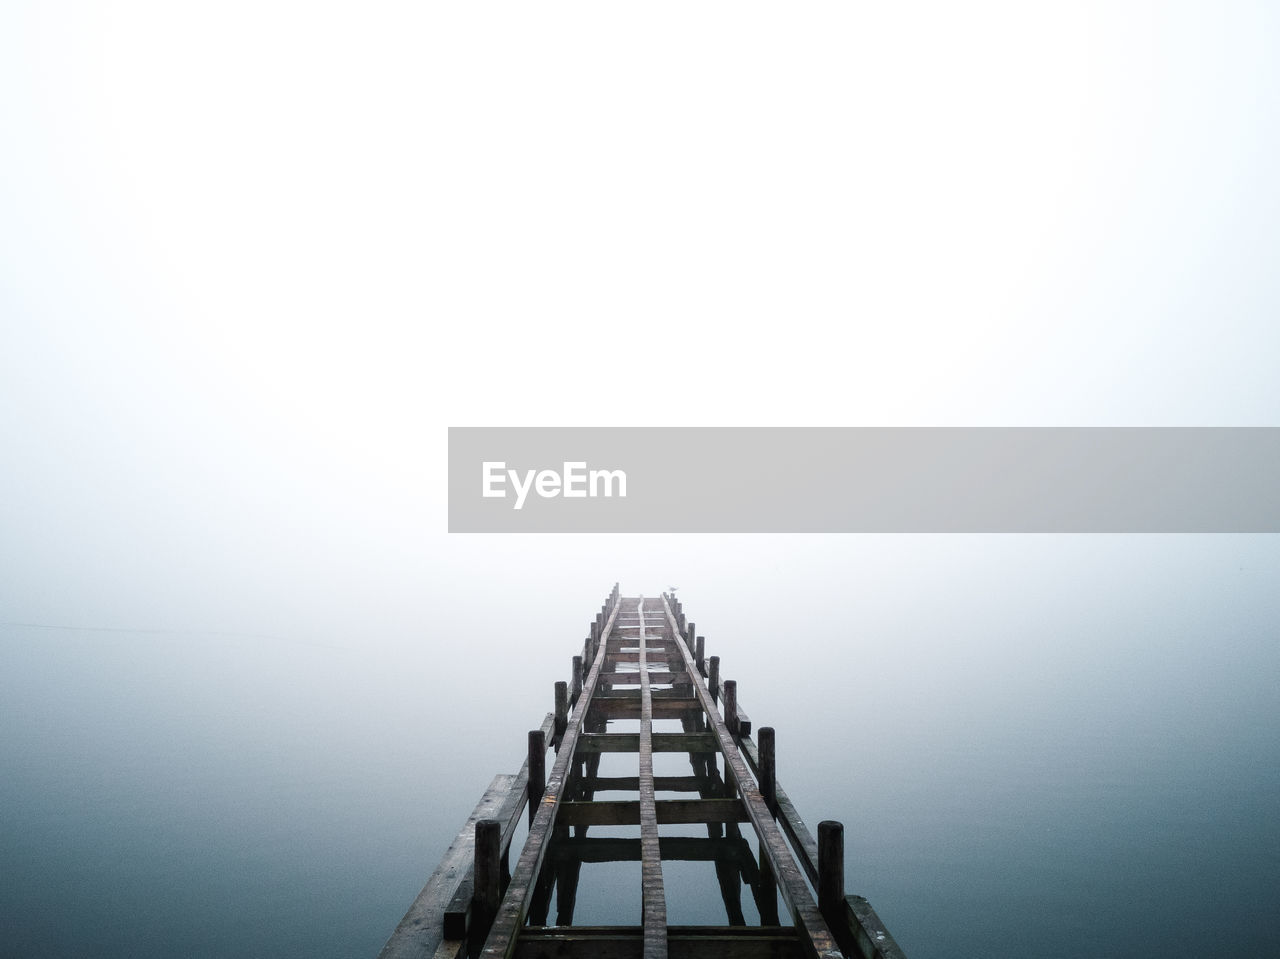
[(662, 743), (653, 901), (420, 932), (681, 848), (626, 812), (817, 937), (631, 784), (683, 942), (630, 708), (515, 905)]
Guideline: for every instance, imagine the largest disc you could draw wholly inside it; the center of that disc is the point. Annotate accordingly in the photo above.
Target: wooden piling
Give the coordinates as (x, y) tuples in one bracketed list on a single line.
[(562, 709), (537, 770), (488, 879), (700, 654), (830, 867), (713, 677), (768, 770), (731, 705), (575, 687)]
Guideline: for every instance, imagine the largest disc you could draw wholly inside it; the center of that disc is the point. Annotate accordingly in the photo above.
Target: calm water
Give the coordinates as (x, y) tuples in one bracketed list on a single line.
[(1039, 747)]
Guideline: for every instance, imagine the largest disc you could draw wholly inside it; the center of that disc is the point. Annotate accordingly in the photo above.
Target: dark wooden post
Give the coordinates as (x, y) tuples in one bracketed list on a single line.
[(699, 654), (486, 893), (688, 634), (537, 770), (768, 769), (713, 678), (575, 689), (562, 709), (830, 867), (731, 705)]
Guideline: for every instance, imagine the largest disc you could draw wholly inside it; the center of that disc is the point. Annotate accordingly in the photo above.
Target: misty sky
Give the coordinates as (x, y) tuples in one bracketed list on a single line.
[(256, 257)]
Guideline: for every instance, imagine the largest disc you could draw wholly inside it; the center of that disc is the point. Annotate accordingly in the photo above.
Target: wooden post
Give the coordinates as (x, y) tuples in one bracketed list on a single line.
[(487, 890), (537, 770), (830, 867), (562, 709), (688, 633), (713, 679), (731, 705), (768, 769), (700, 654), (575, 689)]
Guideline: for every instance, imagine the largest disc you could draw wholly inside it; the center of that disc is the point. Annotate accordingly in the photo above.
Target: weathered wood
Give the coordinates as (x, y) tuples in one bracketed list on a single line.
[(789, 818), (730, 709), (817, 937), (767, 771), (700, 654), (511, 914), (662, 742), (421, 931), (663, 708), (575, 687), (488, 878), (626, 812), (713, 677), (830, 867), (870, 939), (562, 709), (632, 783), (653, 896), (681, 848), (537, 769), (683, 942)]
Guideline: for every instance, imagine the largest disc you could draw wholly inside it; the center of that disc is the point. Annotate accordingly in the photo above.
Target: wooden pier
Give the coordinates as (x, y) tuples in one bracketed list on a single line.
[(642, 661)]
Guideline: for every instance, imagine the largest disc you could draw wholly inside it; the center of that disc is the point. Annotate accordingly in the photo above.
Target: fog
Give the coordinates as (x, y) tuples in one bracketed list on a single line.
[(254, 261)]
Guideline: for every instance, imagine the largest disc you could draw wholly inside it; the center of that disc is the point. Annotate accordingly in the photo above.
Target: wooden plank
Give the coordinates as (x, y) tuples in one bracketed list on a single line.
[(626, 812), (631, 784), (420, 932), (661, 742), (684, 942), (612, 708), (511, 914), (871, 938), (678, 848), (653, 900), (816, 935)]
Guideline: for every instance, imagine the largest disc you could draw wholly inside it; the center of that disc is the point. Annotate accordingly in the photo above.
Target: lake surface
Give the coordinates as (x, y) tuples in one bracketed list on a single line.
[(1039, 746)]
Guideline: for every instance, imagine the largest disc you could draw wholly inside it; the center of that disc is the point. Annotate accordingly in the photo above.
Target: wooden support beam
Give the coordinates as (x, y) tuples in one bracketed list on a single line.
[(488, 879), (537, 769), (767, 771), (662, 743), (830, 867), (626, 812), (562, 709), (632, 783), (683, 942), (680, 848), (713, 677)]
